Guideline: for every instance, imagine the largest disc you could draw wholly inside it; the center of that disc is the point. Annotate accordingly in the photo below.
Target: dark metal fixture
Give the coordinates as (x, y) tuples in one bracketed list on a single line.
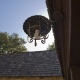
[(37, 28)]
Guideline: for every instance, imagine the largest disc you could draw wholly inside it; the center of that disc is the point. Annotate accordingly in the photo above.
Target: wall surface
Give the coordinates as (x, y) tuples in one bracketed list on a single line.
[(31, 78)]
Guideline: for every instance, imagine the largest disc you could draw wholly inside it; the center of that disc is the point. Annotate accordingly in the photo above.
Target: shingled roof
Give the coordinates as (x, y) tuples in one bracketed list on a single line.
[(39, 63)]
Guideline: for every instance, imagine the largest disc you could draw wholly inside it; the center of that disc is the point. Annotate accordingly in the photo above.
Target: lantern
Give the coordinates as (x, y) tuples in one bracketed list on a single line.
[(37, 28)]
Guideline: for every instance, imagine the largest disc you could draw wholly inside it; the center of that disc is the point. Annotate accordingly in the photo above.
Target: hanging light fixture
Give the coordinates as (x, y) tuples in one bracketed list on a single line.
[(37, 28)]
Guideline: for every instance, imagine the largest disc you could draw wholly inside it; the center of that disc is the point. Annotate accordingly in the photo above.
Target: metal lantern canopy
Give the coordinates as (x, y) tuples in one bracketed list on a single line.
[(37, 28)]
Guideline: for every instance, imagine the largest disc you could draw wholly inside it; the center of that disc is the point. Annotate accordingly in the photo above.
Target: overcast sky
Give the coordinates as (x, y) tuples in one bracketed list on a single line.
[(13, 13)]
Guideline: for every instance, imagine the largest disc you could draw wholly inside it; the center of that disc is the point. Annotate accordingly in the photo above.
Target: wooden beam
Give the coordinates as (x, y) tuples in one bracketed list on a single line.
[(75, 73)]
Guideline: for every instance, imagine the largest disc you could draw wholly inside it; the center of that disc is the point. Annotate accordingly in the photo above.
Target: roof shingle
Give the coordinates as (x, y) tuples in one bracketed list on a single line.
[(39, 63)]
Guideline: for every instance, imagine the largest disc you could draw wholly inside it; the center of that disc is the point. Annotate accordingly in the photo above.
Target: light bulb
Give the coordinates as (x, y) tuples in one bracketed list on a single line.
[(36, 34)]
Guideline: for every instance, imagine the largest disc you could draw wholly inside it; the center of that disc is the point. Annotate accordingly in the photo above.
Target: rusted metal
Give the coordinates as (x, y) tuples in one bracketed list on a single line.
[(45, 25), (37, 27)]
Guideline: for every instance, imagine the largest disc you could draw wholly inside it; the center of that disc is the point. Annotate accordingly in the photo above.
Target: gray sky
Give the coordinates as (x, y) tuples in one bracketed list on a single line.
[(13, 13)]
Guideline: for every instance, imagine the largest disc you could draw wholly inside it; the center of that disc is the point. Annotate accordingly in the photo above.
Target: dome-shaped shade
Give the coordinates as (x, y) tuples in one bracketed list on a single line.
[(45, 25)]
